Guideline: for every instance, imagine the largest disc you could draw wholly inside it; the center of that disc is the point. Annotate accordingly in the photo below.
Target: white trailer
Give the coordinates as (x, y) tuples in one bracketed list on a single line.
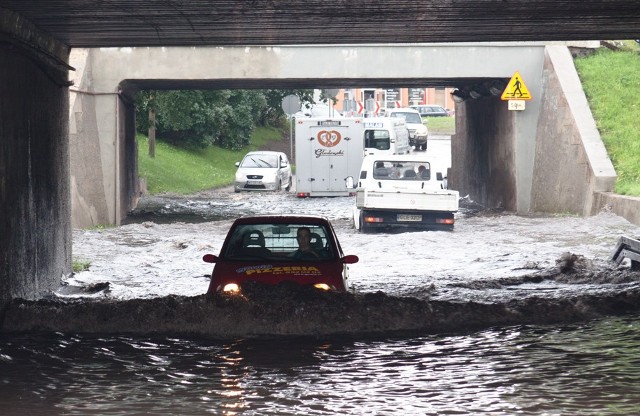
[(388, 135), (327, 152)]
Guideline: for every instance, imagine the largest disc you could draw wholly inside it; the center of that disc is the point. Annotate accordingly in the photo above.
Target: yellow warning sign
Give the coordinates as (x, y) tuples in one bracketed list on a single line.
[(516, 90)]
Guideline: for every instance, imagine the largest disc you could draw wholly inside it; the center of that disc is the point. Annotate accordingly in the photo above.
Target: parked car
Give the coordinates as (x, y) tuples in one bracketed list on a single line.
[(282, 248), (418, 132), (429, 110), (263, 171)]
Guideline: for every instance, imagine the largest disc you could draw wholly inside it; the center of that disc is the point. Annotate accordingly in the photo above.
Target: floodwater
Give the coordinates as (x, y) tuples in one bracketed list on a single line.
[(585, 367)]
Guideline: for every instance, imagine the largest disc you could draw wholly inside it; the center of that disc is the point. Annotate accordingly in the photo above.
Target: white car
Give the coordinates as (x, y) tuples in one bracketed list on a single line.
[(418, 132), (263, 171)]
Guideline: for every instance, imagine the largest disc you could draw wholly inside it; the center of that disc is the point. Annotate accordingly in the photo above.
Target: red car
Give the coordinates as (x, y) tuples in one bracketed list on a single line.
[(280, 248)]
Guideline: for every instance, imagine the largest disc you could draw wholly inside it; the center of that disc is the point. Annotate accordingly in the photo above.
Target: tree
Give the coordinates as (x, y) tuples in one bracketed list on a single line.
[(152, 124), (199, 118)]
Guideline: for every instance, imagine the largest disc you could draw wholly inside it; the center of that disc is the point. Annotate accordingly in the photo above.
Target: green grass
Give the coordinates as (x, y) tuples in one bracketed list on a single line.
[(440, 125), (181, 171), (79, 265), (611, 81)]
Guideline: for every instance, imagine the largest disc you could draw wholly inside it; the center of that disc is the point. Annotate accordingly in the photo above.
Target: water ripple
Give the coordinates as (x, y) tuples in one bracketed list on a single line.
[(591, 368)]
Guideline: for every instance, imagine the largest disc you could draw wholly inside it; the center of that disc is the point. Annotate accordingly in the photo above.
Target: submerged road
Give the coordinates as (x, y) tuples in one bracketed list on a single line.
[(495, 268)]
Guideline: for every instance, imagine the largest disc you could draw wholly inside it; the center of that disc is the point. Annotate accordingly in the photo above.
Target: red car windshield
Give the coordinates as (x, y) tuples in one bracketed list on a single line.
[(281, 242)]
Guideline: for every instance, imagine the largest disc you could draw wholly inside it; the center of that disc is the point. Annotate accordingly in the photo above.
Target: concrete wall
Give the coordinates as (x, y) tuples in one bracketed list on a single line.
[(89, 193), (547, 158), (571, 163), (493, 150), (483, 162), (97, 115), (625, 206), (104, 162), (35, 231)]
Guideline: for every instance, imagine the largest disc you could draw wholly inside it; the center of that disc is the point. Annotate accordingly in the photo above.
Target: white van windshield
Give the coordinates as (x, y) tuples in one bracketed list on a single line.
[(377, 139)]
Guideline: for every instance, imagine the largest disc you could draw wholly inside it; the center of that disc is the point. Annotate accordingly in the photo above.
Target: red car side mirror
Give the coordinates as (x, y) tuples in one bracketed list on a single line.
[(209, 258)]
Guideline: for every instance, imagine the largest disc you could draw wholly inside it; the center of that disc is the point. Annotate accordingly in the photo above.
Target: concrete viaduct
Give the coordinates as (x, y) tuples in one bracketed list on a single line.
[(497, 147), (501, 157)]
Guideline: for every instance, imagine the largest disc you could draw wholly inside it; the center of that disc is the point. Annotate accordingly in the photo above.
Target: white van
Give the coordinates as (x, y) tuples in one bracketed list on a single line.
[(386, 135), (418, 132)]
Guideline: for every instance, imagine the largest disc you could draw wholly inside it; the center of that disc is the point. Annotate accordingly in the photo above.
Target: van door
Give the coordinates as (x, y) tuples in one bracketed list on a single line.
[(321, 160)]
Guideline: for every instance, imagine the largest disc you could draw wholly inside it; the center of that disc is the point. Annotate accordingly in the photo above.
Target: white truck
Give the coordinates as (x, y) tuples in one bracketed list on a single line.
[(386, 135), (402, 191), (328, 150)]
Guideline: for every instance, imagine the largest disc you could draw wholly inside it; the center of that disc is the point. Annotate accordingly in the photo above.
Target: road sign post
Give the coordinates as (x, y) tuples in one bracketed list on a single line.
[(290, 106)]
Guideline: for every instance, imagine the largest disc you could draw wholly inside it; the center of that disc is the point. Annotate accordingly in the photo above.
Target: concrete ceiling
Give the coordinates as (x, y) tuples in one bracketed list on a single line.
[(120, 23)]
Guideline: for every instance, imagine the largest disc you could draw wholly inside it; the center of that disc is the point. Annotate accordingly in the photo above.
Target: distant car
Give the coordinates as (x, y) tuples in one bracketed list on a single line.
[(429, 110), (264, 249), (263, 171), (418, 132)]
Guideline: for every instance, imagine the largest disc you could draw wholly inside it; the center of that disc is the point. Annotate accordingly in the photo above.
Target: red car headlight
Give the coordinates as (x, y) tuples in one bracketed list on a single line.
[(322, 286), (231, 288)]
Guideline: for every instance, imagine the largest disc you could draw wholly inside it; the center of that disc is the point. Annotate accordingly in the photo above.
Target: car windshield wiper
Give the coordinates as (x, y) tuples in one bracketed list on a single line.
[(255, 162), (266, 163)]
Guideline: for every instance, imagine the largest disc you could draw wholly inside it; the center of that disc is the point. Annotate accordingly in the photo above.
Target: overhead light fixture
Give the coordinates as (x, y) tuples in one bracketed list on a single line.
[(478, 91), (496, 88), (474, 94), (459, 96)]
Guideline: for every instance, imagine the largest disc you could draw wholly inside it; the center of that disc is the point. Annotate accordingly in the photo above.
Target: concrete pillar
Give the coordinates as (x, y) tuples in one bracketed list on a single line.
[(35, 230), (104, 153), (483, 149)]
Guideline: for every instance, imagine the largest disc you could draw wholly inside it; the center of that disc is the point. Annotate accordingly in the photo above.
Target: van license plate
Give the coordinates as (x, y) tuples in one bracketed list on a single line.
[(412, 218)]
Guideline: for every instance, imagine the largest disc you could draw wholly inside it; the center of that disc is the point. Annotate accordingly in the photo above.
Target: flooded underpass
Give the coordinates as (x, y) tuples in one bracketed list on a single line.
[(507, 315)]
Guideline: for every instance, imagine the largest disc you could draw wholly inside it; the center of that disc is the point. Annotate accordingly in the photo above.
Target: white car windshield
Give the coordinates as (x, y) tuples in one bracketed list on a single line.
[(260, 161)]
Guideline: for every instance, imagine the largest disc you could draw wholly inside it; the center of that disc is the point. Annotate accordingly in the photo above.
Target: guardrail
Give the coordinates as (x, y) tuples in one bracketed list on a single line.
[(627, 248)]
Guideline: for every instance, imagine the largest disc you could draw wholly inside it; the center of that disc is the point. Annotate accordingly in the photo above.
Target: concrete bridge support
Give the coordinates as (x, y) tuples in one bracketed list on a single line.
[(104, 154), (572, 165), (503, 169), (546, 158), (484, 153), (35, 227)]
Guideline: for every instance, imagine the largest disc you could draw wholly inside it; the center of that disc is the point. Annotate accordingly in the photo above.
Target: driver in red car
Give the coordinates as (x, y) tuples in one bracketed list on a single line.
[(305, 251)]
